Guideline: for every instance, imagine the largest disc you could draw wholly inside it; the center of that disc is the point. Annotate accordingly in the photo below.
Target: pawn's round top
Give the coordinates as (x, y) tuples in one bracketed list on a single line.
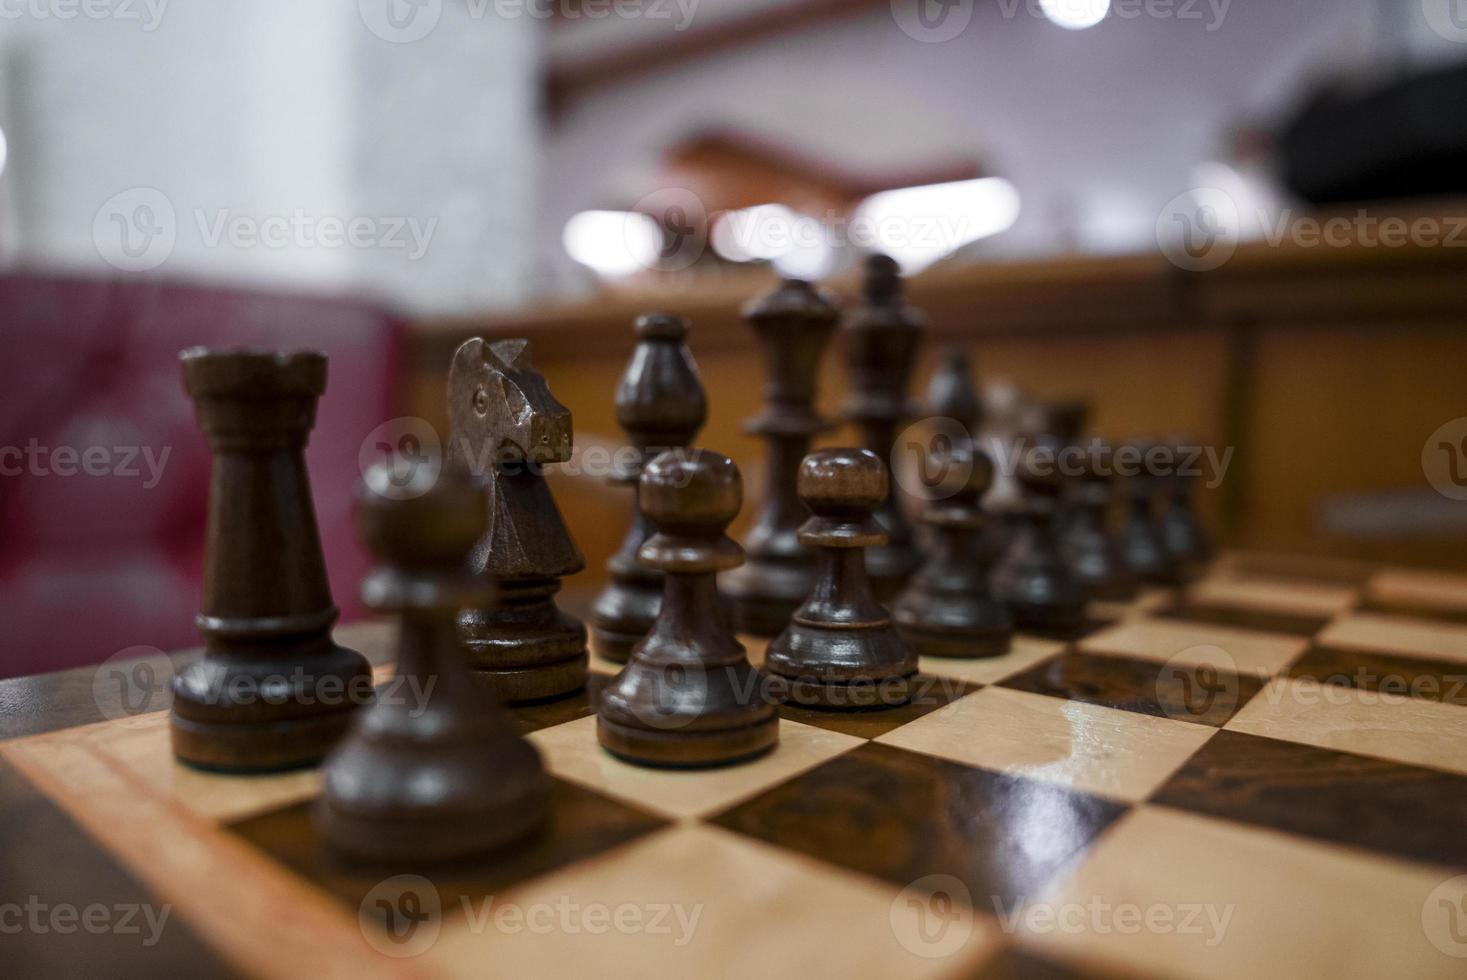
[(423, 518), (693, 489), (793, 299), (963, 475), (661, 326), (842, 479)]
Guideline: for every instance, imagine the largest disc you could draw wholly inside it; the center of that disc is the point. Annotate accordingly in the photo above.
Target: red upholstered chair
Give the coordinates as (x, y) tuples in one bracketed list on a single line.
[(92, 563)]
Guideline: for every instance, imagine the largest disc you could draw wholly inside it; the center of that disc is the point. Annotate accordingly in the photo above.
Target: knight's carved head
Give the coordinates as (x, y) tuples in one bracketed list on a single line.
[(501, 409)]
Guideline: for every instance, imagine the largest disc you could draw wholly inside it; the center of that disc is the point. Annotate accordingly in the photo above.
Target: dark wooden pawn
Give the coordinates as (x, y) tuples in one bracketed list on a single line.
[(435, 769), (506, 426), (1143, 543), (688, 696), (1093, 552), (841, 649), (948, 610), (881, 339), (661, 405), (1185, 540), (1033, 579), (272, 690), (793, 324)]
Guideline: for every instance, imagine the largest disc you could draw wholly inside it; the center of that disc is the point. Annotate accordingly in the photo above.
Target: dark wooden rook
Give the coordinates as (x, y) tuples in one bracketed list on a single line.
[(1092, 551), (661, 405), (1186, 542), (688, 696), (506, 428), (841, 649), (1033, 579), (435, 769), (947, 610), (881, 339), (793, 324), (272, 690), (1143, 543)]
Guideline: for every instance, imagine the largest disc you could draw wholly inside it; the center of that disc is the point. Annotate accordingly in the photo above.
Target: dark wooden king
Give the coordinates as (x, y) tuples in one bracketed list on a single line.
[(272, 690), (661, 405), (506, 426), (881, 339), (793, 324)]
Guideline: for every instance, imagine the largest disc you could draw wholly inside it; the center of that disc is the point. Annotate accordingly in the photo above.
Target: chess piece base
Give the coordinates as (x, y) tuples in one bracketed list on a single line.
[(819, 666), (243, 714), (526, 653), (679, 749), (965, 643)]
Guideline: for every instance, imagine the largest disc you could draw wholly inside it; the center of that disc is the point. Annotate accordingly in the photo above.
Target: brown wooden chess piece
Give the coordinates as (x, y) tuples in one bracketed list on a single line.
[(661, 405), (956, 413), (793, 324), (840, 649), (435, 769), (689, 696), (881, 339), (1093, 553), (947, 610), (1185, 540), (1143, 543), (1033, 579), (272, 690), (506, 428)]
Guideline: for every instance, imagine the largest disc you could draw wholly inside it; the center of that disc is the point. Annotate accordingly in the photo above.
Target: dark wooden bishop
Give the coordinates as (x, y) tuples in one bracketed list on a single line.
[(951, 396), (506, 426), (661, 405), (948, 610), (1092, 551), (1143, 542), (1033, 579), (841, 649), (688, 696), (793, 324), (881, 339), (435, 769), (272, 690)]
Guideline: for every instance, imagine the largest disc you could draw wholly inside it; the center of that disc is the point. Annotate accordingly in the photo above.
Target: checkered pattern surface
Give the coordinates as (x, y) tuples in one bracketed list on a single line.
[(1263, 775)]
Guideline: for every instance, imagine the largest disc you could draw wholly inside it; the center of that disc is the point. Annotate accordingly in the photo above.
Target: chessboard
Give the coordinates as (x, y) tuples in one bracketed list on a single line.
[(1261, 774)]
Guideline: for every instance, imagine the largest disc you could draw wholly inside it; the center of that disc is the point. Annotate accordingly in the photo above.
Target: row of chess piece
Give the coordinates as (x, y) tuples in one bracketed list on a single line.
[(470, 561)]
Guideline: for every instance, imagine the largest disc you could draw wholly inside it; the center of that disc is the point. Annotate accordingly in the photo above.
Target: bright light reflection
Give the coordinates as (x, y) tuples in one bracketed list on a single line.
[(919, 225), (764, 231), (1075, 15), (612, 243)]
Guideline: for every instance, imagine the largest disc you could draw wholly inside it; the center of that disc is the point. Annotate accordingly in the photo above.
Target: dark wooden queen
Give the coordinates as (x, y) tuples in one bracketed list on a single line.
[(793, 324)]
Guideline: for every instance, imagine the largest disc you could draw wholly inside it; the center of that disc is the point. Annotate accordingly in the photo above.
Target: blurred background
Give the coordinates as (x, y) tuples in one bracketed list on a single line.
[(1239, 220)]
